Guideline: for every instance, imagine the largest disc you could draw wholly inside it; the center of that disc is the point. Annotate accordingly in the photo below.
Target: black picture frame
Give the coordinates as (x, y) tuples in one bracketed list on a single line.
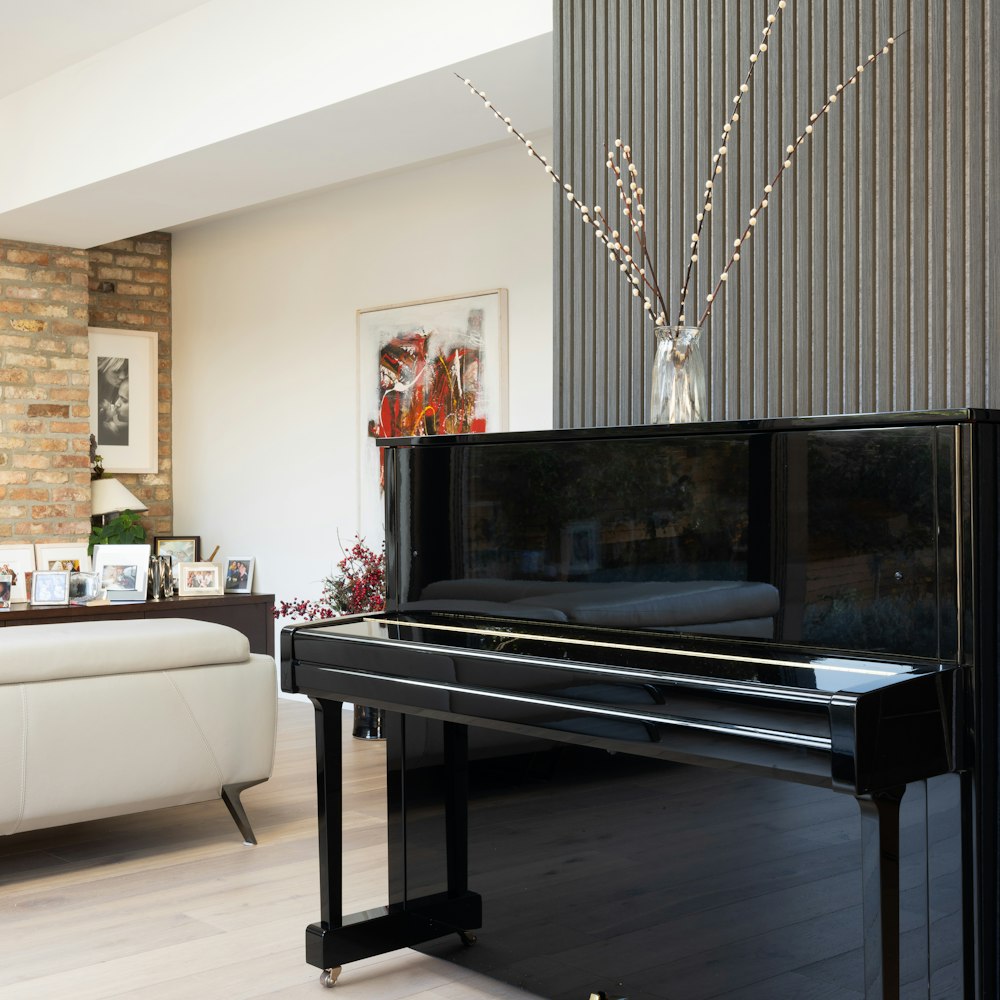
[(180, 548)]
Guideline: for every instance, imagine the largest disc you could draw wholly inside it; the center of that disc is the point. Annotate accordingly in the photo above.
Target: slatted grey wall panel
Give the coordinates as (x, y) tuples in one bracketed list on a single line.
[(871, 283)]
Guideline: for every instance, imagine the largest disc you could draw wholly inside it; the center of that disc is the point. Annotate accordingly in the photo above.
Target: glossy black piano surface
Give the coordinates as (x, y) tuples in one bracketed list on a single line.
[(841, 536), (575, 617), (715, 702)]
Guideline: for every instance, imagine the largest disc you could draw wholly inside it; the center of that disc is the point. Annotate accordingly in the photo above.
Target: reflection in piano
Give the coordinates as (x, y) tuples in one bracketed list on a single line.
[(716, 606)]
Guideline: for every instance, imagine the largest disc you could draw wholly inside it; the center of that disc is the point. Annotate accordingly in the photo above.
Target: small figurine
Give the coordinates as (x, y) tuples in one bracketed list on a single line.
[(97, 472)]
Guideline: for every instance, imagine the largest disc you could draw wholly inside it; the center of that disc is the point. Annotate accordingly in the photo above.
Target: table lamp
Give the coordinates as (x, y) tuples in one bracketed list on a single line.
[(108, 496)]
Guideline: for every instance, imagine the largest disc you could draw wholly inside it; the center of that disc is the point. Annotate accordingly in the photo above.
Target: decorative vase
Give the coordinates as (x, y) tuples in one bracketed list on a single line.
[(678, 376), (369, 723)]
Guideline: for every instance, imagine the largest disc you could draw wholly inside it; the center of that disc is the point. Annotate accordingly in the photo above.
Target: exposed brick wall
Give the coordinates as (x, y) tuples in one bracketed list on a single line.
[(44, 379), (130, 290), (48, 298)]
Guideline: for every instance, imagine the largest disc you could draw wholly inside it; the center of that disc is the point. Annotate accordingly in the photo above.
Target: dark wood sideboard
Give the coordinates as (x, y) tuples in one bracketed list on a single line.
[(251, 614)]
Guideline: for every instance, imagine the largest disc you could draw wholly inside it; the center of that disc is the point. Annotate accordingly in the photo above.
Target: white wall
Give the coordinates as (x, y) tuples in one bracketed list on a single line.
[(265, 426)]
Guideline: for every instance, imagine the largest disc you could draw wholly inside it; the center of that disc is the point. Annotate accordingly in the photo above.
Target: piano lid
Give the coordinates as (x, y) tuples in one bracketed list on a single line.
[(814, 533)]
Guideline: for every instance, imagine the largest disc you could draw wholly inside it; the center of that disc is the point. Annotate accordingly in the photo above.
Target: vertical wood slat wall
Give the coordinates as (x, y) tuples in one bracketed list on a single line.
[(872, 281)]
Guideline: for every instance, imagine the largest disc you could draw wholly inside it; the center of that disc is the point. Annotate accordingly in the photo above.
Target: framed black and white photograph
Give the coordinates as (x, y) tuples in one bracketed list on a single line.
[(5, 585), (122, 571), (124, 398), (239, 574), (180, 549), (19, 561), (50, 586), (199, 579)]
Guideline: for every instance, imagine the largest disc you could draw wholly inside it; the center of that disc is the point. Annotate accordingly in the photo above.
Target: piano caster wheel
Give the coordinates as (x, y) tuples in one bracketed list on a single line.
[(467, 939), (329, 976)]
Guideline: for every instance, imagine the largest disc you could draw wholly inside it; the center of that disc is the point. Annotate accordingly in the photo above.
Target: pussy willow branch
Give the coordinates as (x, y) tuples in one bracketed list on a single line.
[(633, 210), (602, 230), (720, 157), (790, 150), (639, 274), (638, 269)]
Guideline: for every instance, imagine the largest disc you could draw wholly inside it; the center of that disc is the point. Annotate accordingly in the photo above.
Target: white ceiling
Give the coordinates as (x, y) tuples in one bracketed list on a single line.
[(415, 120), (42, 37)]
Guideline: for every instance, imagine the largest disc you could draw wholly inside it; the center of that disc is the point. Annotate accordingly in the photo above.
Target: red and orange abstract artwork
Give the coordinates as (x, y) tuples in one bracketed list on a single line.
[(440, 370), (427, 391), (429, 384)]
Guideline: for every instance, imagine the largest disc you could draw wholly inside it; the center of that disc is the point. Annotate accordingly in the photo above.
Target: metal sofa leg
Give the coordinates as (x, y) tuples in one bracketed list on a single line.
[(231, 796)]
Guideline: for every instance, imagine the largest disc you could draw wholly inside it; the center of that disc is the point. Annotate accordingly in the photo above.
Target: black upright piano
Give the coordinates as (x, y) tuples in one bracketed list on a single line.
[(697, 711)]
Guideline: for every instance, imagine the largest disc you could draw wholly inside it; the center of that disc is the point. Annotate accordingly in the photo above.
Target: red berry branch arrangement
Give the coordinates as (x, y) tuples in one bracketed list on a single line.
[(358, 587)]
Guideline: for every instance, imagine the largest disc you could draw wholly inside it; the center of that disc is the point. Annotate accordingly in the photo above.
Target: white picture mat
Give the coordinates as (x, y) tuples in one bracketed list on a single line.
[(442, 316), (139, 347), (46, 552), (21, 559), (192, 575), (123, 555)]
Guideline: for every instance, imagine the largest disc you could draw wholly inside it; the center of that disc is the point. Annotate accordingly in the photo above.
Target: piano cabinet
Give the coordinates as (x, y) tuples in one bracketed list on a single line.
[(625, 670)]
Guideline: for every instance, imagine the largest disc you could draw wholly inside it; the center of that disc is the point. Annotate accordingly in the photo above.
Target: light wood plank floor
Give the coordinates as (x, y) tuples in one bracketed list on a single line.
[(169, 905)]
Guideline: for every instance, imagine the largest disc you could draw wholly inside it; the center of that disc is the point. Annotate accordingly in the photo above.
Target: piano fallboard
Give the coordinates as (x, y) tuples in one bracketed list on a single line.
[(858, 724)]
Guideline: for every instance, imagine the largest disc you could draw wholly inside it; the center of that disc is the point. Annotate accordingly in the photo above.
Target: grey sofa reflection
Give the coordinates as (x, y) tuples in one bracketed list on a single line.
[(709, 607)]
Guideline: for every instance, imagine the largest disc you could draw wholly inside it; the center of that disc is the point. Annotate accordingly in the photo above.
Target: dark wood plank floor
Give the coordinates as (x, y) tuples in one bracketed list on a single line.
[(656, 881)]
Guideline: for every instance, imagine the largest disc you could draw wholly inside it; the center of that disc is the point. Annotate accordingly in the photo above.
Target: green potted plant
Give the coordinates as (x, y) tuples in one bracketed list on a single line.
[(122, 529)]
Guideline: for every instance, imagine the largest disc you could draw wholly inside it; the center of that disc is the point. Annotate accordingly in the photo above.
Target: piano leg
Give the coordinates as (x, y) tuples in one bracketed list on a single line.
[(456, 807), (880, 892), (456, 813), (329, 804), (340, 938)]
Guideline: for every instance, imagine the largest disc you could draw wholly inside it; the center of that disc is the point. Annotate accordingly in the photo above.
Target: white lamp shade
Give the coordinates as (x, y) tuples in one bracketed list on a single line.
[(108, 495)]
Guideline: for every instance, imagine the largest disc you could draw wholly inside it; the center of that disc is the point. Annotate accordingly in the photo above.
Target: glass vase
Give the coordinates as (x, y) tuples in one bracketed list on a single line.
[(678, 376)]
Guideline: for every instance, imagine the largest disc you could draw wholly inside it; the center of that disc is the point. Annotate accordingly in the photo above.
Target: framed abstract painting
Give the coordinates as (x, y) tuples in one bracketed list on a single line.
[(436, 366)]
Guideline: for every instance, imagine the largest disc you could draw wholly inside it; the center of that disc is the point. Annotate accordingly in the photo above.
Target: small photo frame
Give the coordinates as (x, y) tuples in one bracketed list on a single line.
[(239, 574), (58, 555), (20, 562), (180, 549), (83, 587), (5, 587), (580, 547), (50, 586), (122, 571), (198, 579)]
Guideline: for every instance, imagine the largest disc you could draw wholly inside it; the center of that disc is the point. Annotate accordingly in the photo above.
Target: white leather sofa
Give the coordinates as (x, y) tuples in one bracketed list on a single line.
[(102, 718)]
